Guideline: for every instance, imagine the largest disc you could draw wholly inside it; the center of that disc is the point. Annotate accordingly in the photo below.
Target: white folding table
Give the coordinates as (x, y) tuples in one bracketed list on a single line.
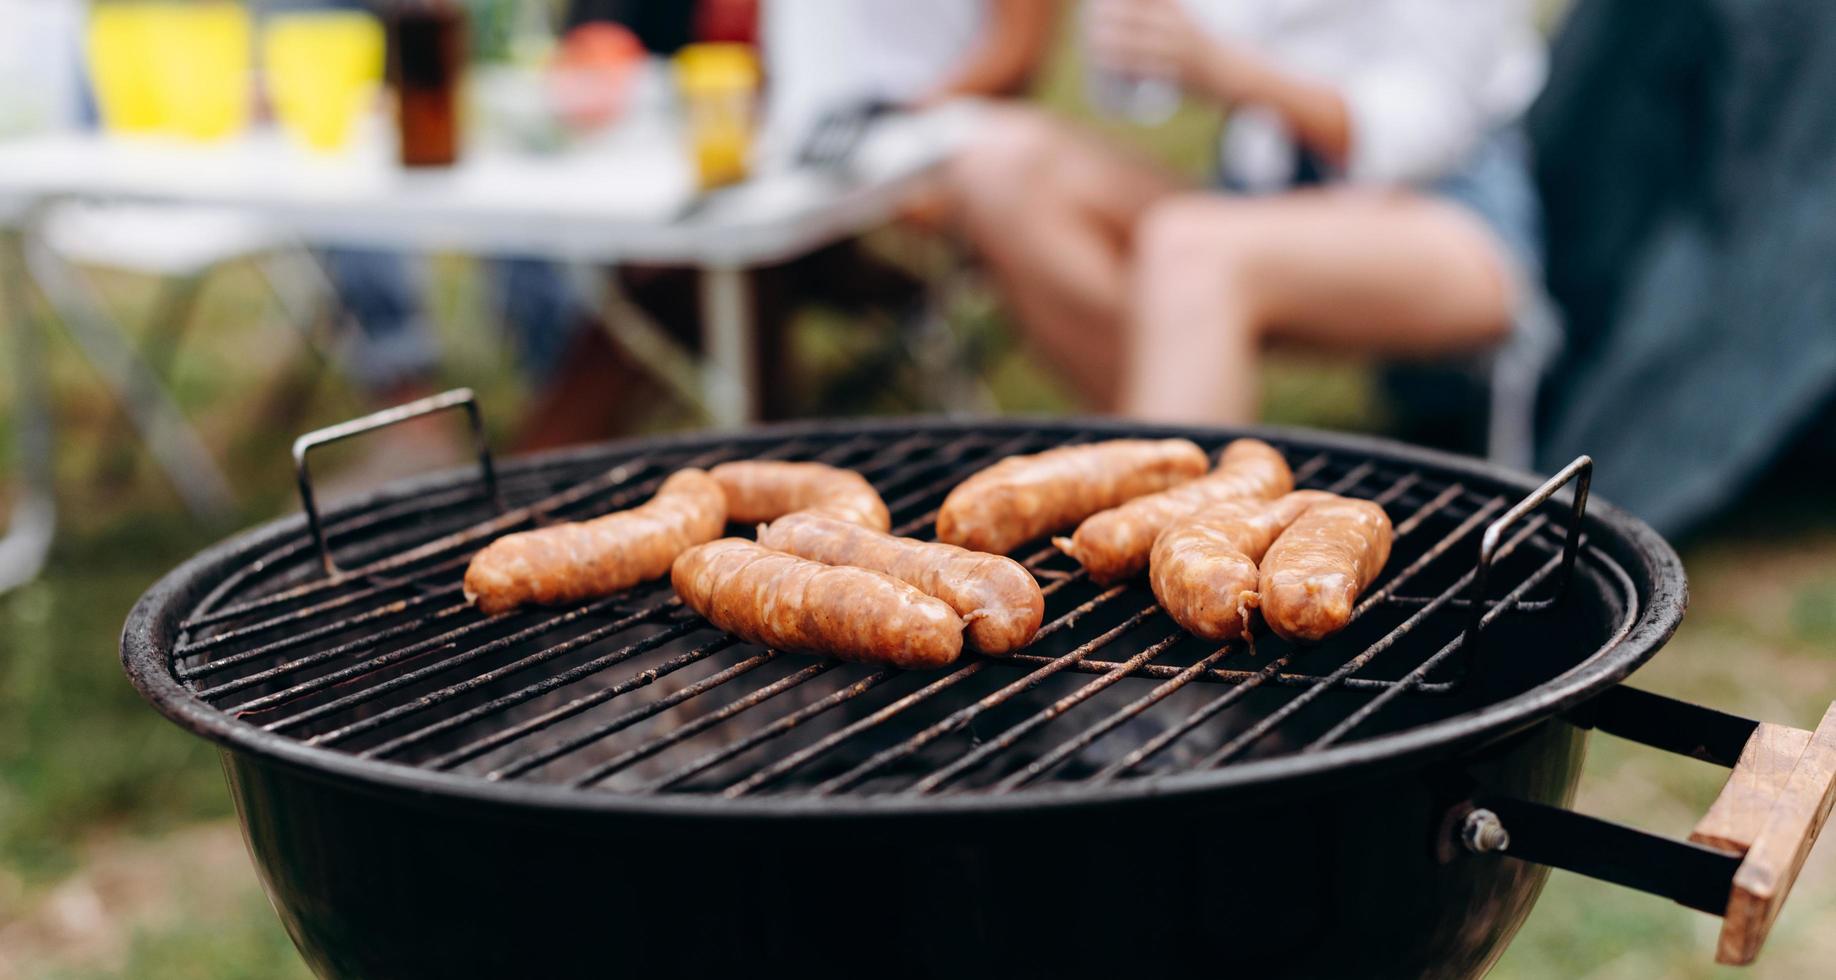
[(627, 197)]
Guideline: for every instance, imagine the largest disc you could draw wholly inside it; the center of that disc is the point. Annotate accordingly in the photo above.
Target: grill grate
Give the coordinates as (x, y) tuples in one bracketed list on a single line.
[(385, 661)]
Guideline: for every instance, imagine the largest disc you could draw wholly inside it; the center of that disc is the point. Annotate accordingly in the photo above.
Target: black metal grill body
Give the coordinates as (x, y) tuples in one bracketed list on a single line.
[(1347, 881), (467, 822)]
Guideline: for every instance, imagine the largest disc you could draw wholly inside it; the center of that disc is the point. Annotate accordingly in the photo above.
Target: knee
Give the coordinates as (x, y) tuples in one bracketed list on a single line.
[(1190, 230), (1198, 253), (1009, 152)]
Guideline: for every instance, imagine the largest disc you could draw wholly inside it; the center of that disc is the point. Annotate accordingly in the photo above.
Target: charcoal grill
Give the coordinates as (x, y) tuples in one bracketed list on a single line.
[(615, 787)]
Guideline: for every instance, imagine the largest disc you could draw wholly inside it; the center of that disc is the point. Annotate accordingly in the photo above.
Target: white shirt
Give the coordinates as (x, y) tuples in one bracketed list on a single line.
[(1424, 80), (822, 55)]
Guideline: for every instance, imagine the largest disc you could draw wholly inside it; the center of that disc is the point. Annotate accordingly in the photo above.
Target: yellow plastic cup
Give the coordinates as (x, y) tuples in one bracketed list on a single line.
[(322, 70), (203, 61), (180, 68), (719, 85), (119, 47)]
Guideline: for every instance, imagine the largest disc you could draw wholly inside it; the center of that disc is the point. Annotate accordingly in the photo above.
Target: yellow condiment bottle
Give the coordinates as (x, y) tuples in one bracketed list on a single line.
[(720, 86)]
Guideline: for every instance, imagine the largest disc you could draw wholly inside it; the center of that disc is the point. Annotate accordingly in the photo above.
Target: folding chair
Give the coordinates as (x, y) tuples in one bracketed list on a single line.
[(180, 246)]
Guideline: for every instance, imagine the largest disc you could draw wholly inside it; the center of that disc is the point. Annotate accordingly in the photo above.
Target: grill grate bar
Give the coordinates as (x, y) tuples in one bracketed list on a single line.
[(697, 726), (1414, 678), (1077, 743), (439, 642), (458, 539), (1012, 735), (1198, 716), (815, 749), (954, 450), (196, 647), (1434, 506), (537, 512), (477, 747), (912, 499), (766, 734), (1302, 472), (401, 629), (455, 719), (677, 733), (1175, 681), (642, 678), (307, 635), (304, 546), (1242, 741), (957, 719), (1306, 471), (447, 693), (1218, 675), (374, 585), (344, 649), (797, 759)]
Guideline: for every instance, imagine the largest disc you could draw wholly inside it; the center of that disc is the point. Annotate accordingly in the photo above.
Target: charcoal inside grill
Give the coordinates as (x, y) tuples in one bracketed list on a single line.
[(633, 694)]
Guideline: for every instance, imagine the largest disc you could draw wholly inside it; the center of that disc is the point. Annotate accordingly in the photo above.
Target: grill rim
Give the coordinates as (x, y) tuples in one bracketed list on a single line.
[(152, 625)]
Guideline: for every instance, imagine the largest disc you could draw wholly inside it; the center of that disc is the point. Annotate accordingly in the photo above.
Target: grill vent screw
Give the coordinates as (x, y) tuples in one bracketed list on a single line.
[(1483, 834)]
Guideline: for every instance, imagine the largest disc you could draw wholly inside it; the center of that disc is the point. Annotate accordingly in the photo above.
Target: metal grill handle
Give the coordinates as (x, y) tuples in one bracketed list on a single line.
[(1581, 471), (444, 401), (1743, 856)]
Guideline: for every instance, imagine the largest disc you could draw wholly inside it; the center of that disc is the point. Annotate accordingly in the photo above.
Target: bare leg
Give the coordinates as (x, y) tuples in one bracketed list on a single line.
[(1054, 211), (1380, 272)]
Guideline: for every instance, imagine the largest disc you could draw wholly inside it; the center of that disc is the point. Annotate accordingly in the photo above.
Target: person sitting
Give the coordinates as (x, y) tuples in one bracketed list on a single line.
[(822, 57), (1375, 196)]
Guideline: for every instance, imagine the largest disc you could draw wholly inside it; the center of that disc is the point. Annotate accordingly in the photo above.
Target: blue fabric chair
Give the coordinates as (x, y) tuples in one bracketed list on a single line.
[(1685, 154)]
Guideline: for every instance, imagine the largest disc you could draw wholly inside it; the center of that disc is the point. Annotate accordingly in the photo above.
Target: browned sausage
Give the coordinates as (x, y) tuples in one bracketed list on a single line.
[(1313, 574), (765, 490), (1023, 497), (1203, 567), (1114, 544), (790, 603), (997, 597), (567, 562)]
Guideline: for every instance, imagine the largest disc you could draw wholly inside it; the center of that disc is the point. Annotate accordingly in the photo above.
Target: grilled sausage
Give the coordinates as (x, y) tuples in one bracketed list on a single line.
[(1313, 573), (568, 562), (1023, 497), (765, 490), (790, 603), (1114, 544), (997, 597), (1203, 566)]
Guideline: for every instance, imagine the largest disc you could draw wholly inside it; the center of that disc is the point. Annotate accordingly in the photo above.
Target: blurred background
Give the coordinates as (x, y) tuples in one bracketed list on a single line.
[(227, 224)]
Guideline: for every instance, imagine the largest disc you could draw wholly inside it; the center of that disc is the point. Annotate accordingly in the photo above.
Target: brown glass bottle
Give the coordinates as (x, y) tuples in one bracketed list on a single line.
[(427, 66)]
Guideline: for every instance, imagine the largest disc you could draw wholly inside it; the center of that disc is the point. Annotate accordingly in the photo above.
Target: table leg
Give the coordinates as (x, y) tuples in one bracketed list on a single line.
[(726, 330), (33, 520), (172, 441), (637, 335)]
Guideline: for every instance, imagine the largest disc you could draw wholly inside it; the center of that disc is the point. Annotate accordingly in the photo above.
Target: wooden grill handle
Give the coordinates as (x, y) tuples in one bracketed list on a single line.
[(1744, 855), (1771, 809)]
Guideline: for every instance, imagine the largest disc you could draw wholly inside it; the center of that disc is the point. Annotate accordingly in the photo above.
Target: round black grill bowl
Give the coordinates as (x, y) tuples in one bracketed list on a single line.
[(1295, 855)]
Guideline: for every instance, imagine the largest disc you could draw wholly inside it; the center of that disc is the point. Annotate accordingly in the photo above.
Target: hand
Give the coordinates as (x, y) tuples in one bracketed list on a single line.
[(1146, 37)]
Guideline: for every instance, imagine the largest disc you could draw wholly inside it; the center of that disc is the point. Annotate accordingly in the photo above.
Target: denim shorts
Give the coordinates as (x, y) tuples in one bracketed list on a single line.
[(1494, 182)]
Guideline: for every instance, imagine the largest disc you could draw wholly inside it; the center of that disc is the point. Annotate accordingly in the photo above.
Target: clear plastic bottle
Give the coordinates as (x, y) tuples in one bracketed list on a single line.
[(1146, 99)]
